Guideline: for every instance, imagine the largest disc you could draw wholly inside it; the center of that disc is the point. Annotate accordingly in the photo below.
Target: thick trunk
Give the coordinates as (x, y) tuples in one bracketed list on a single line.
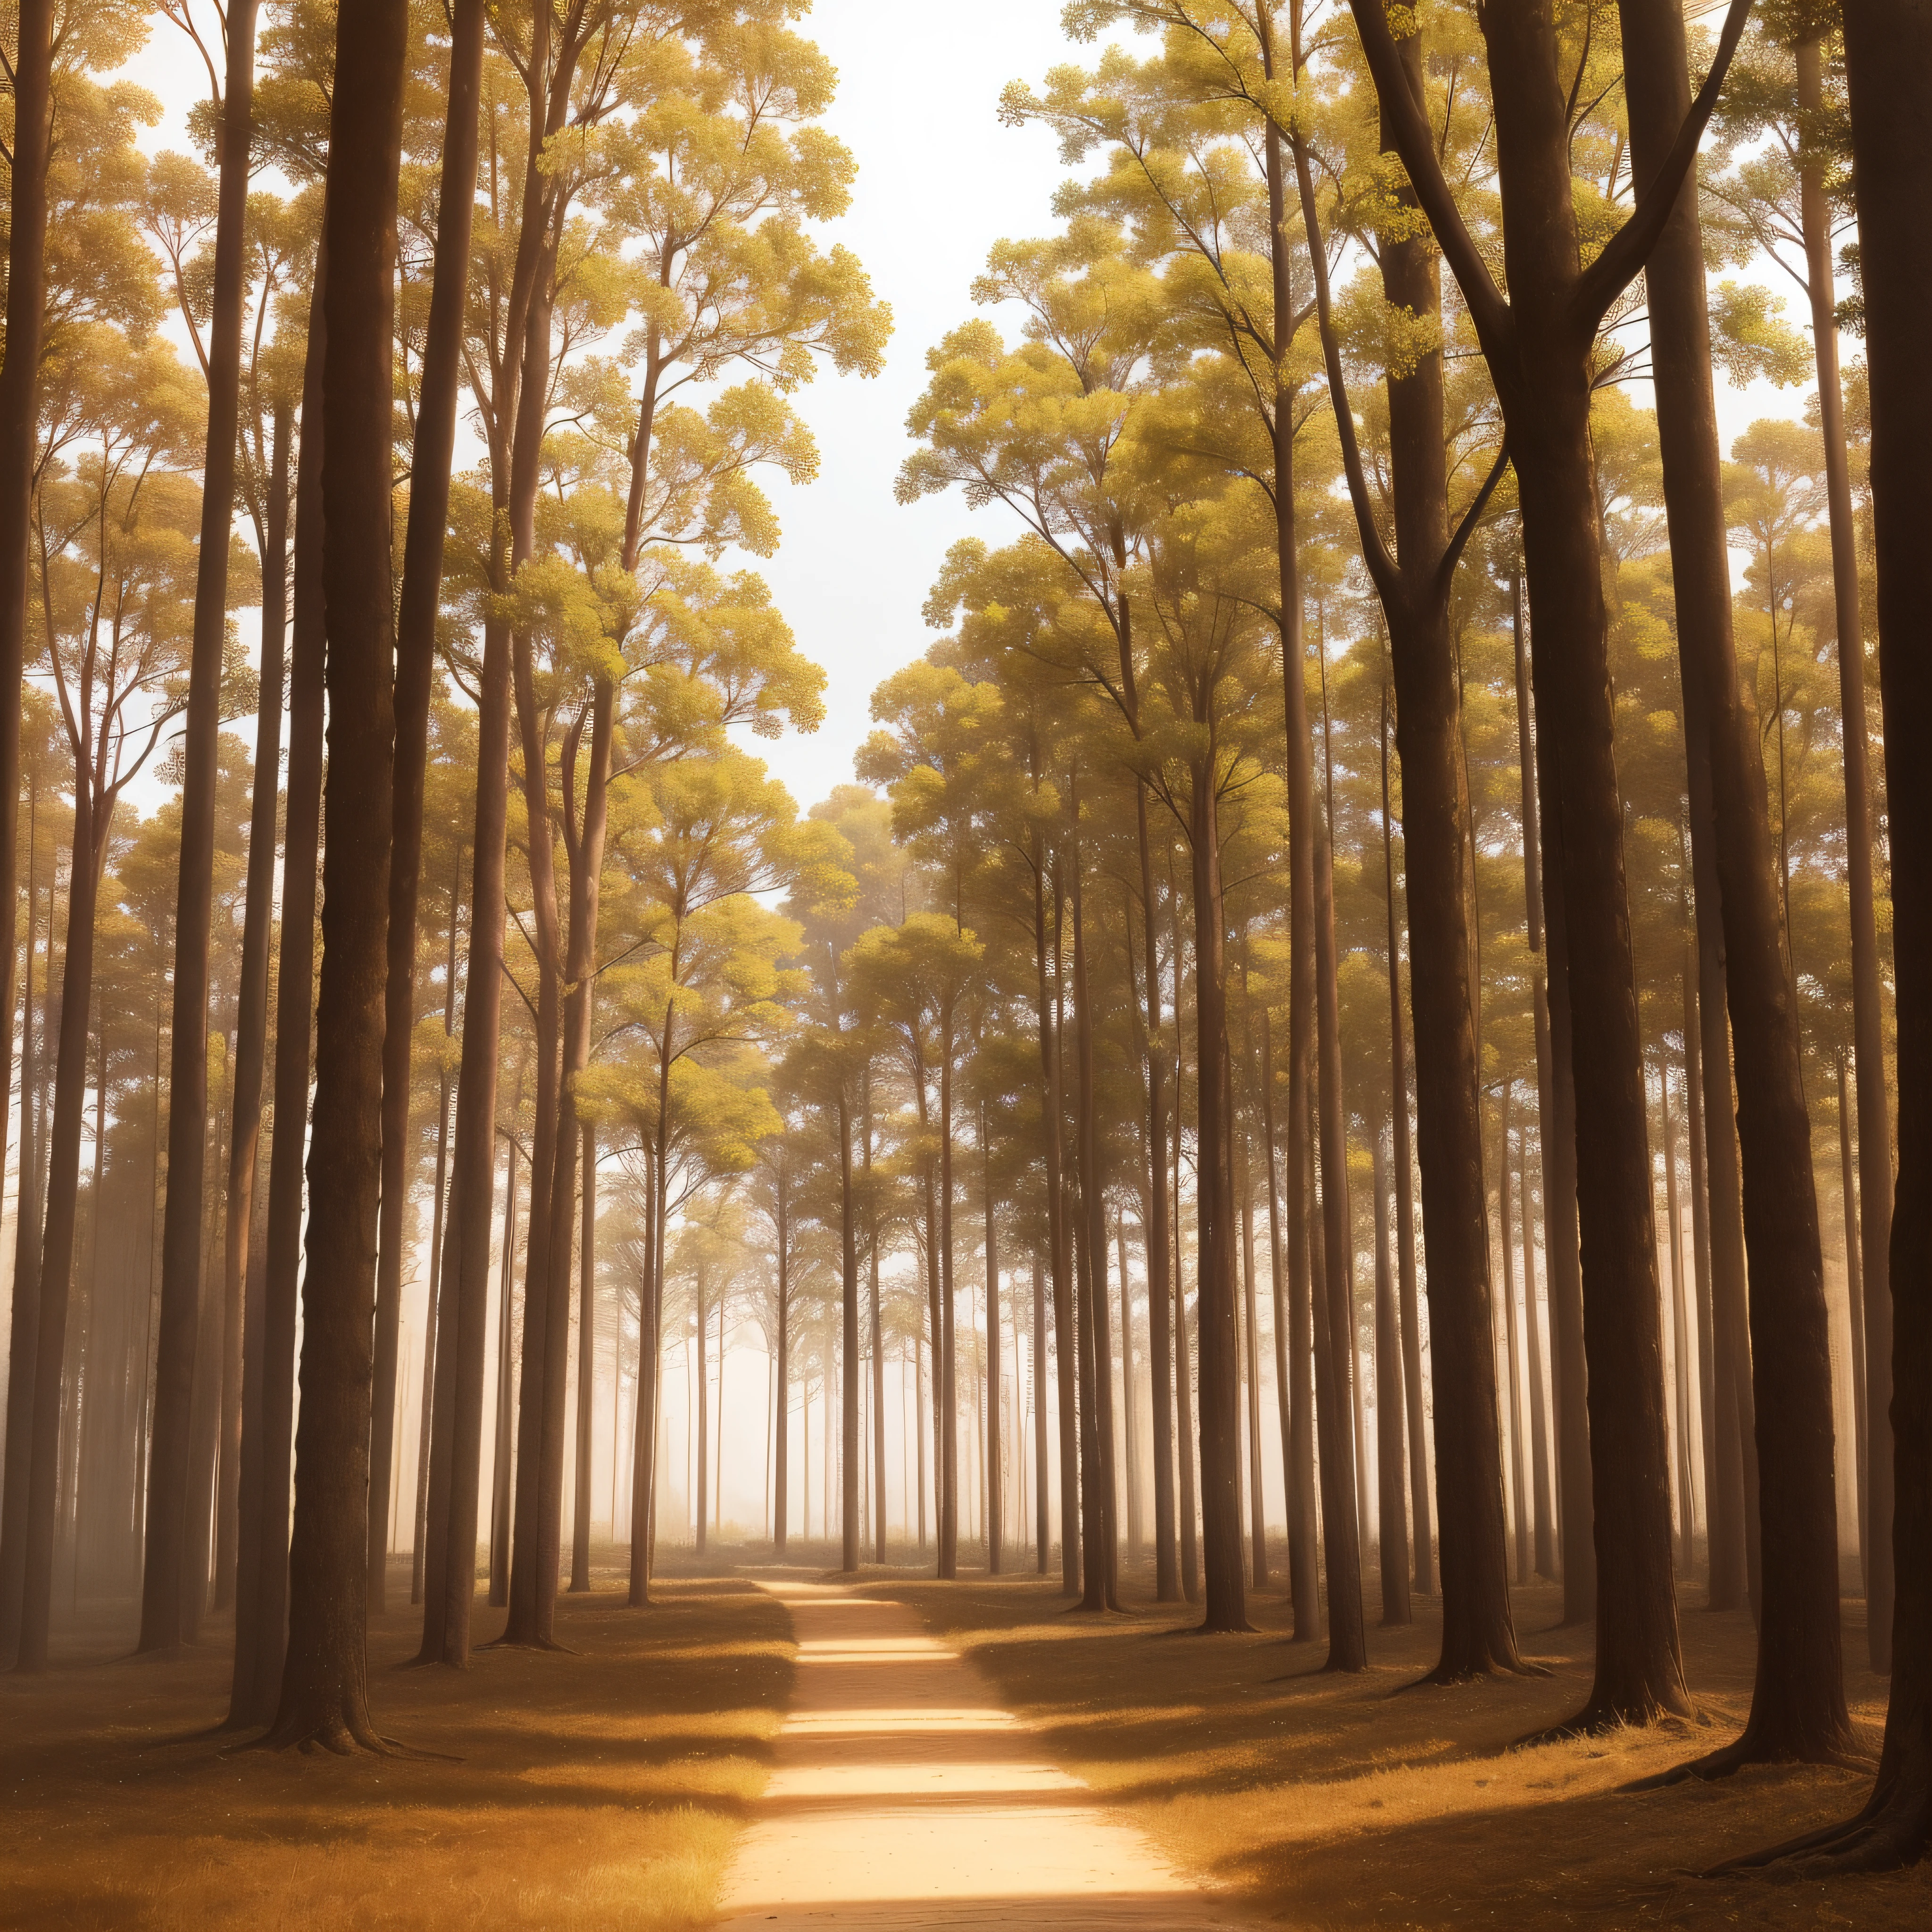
[(1798, 1707), (415, 674), (1889, 66), (166, 1586), (325, 1690)]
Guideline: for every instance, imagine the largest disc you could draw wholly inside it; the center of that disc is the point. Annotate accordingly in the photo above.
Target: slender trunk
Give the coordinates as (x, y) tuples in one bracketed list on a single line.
[(57, 1251), (240, 1250), (587, 1363), (1873, 1295), (1251, 1365), (1687, 1502), (995, 1526), (1539, 1421), (1797, 1706), (1053, 1033), (324, 1690), (255, 1700), (851, 1517), (165, 1587), (437, 1386), (1512, 1354), (1293, 1394), (1394, 1538), (19, 427), (415, 674), (1848, 1198), (1422, 1533), (1097, 1525), (1226, 1597), (24, 1323), (1700, 1235)]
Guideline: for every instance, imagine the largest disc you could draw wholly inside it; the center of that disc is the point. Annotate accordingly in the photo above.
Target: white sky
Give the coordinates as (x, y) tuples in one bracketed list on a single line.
[(939, 180)]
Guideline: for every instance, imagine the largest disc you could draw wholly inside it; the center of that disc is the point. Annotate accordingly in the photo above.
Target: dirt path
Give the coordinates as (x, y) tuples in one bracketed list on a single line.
[(903, 1796)]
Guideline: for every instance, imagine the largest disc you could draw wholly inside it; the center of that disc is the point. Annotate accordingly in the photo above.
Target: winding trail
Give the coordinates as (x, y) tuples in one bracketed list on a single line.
[(903, 1796)]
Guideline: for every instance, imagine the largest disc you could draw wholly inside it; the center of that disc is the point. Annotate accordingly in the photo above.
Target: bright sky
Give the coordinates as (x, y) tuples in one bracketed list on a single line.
[(939, 180)]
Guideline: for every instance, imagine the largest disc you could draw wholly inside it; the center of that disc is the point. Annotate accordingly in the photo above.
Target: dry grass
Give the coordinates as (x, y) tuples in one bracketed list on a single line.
[(1339, 1801), (601, 1788)]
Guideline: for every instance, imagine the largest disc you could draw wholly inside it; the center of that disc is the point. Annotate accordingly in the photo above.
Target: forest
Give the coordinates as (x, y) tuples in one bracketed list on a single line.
[(1275, 1269)]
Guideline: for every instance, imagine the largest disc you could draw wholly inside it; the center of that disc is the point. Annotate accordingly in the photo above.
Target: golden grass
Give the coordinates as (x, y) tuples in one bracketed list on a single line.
[(1334, 1801), (602, 1788)]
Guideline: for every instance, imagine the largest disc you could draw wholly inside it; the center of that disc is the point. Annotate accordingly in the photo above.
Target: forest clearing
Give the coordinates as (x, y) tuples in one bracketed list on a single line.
[(966, 973)]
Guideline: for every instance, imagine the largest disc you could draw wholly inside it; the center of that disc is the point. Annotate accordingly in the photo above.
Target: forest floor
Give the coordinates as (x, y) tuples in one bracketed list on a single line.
[(609, 1786), (1352, 1802), (604, 1788)]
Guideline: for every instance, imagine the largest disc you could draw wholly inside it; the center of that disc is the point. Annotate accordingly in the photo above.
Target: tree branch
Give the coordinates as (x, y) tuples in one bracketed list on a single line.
[(1629, 248)]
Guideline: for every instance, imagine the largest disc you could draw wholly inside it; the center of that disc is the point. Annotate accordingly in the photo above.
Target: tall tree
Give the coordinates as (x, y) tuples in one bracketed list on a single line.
[(418, 606), (325, 1677), (1797, 1704), (171, 1597)]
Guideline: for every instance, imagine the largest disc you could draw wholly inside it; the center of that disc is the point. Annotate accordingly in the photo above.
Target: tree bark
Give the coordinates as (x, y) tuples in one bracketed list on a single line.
[(1888, 67), (240, 1250), (415, 676), (1797, 1705), (165, 1585), (1478, 1634), (1874, 1141), (995, 1527), (587, 1363), (19, 429), (1422, 1530), (1392, 1536), (92, 814), (24, 1322), (325, 1688)]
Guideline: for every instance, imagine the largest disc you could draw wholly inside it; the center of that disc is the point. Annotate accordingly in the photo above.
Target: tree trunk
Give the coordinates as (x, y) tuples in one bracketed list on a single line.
[(995, 1526), (325, 1690), (437, 1385), (255, 1698), (169, 1536), (1226, 1600), (57, 1251), (1888, 66), (1293, 1394), (19, 429), (1392, 1535), (1700, 1238), (24, 1324), (1053, 1037), (415, 677), (1478, 1634), (1874, 1147), (1797, 1705), (1539, 1422), (251, 1023), (1422, 1532), (851, 1518), (586, 1364), (1556, 1140), (1512, 1353)]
